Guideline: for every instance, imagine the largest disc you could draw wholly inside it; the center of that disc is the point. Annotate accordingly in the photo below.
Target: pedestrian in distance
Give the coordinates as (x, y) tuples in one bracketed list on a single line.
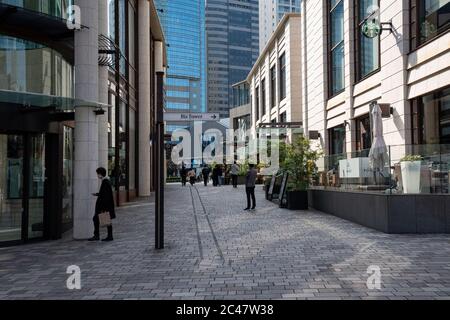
[(234, 174), (104, 204), (250, 183), (192, 176), (219, 175), (205, 175), (183, 174), (215, 177)]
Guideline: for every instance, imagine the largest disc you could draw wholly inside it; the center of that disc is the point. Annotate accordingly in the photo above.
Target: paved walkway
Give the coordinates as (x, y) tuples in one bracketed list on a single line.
[(216, 251)]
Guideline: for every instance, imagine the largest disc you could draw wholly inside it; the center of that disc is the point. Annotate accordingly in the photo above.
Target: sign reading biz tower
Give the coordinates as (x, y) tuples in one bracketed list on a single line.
[(177, 116)]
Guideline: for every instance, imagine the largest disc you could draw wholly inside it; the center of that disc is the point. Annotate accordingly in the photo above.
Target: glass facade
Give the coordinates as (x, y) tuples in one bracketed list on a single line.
[(336, 46), (27, 66), (11, 186), (122, 141), (57, 8), (232, 48), (241, 94), (368, 48), (431, 118), (67, 185), (183, 22)]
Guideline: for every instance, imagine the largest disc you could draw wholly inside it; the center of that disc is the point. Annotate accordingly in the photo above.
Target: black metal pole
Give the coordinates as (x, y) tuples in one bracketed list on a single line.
[(159, 201)]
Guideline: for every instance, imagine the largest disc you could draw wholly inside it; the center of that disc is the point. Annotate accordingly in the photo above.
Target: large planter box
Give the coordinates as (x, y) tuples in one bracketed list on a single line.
[(396, 213), (297, 200), (241, 180), (411, 176)]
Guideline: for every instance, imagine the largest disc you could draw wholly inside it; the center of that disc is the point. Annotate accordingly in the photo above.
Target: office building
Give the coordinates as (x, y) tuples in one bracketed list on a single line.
[(73, 100), (183, 23), (232, 48), (270, 14)]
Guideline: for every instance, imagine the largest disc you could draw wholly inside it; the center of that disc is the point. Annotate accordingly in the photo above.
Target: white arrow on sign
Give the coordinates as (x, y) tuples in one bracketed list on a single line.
[(181, 117)]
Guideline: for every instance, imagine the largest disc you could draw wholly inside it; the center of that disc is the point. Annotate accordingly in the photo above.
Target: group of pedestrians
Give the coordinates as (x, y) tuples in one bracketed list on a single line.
[(187, 174), (218, 179)]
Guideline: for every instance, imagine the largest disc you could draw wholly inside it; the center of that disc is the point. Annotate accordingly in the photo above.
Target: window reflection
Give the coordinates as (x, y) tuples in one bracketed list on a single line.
[(27, 66)]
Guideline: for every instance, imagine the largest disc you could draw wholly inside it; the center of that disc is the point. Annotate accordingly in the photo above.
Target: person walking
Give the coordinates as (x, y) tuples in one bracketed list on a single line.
[(205, 174), (183, 174), (250, 182), (219, 175), (234, 174), (104, 203), (214, 175)]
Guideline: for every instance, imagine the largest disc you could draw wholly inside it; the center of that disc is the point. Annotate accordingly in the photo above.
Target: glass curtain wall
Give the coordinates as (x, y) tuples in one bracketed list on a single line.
[(11, 186), (26, 66), (123, 98), (57, 8)]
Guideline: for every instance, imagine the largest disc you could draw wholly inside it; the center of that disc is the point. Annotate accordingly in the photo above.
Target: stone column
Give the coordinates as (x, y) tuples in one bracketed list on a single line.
[(103, 90), (86, 122), (144, 98)]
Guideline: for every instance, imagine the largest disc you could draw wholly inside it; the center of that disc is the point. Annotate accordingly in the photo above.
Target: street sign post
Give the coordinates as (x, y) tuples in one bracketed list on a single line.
[(187, 116)]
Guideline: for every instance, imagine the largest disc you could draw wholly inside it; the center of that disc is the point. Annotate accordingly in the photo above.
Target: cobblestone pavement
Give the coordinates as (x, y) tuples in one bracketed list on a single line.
[(216, 251)]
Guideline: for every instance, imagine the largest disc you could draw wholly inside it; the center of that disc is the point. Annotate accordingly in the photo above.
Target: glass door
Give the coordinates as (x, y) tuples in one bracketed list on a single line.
[(11, 187), (36, 183)]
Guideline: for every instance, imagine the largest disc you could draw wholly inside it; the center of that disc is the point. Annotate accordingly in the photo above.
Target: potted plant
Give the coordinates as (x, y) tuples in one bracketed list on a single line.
[(410, 168), (243, 169), (300, 164)]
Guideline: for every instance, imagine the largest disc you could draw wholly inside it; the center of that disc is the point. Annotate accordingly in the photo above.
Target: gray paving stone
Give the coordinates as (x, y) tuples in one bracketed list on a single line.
[(216, 251)]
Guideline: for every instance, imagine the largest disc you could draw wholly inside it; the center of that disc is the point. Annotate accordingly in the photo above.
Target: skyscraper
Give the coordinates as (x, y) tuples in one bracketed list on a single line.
[(270, 14), (232, 48), (184, 29)]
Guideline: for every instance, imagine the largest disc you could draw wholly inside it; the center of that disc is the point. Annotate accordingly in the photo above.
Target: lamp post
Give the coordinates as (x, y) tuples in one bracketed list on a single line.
[(159, 201)]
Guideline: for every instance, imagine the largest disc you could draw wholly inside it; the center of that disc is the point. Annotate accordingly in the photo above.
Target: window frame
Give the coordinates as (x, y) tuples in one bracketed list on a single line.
[(273, 87), (330, 50), (358, 36), (263, 97), (415, 43), (282, 92)]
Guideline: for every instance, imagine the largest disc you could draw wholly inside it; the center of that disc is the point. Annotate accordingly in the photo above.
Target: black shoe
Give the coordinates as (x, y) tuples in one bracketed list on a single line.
[(253, 208), (108, 239), (94, 238), (246, 209)]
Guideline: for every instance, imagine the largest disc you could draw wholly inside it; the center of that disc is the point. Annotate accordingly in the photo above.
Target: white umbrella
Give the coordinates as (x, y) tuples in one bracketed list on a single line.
[(378, 155)]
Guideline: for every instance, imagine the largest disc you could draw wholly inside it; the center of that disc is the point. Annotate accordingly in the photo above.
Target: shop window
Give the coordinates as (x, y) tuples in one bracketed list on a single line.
[(429, 19), (363, 135)]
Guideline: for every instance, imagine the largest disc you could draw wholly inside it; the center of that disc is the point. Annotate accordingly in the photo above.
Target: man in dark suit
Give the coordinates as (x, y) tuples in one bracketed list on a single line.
[(250, 182), (105, 203)]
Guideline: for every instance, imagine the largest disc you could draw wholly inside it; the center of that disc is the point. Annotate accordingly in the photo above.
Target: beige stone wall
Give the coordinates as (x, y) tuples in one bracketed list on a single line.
[(403, 74), (285, 40)]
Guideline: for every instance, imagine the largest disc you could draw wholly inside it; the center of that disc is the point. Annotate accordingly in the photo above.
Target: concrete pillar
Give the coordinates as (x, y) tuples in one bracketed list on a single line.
[(103, 90), (86, 122), (144, 98)]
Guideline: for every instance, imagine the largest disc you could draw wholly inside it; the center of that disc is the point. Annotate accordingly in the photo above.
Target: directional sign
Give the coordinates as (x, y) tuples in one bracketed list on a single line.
[(182, 117)]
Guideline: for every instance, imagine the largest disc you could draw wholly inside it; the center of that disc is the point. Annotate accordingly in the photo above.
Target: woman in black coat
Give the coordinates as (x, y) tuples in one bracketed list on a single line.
[(104, 203)]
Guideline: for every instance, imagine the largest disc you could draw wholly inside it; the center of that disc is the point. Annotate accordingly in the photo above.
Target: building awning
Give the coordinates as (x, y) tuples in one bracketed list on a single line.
[(34, 101)]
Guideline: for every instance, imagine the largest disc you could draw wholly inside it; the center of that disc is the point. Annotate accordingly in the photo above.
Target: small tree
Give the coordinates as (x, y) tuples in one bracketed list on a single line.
[(300, 163)]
